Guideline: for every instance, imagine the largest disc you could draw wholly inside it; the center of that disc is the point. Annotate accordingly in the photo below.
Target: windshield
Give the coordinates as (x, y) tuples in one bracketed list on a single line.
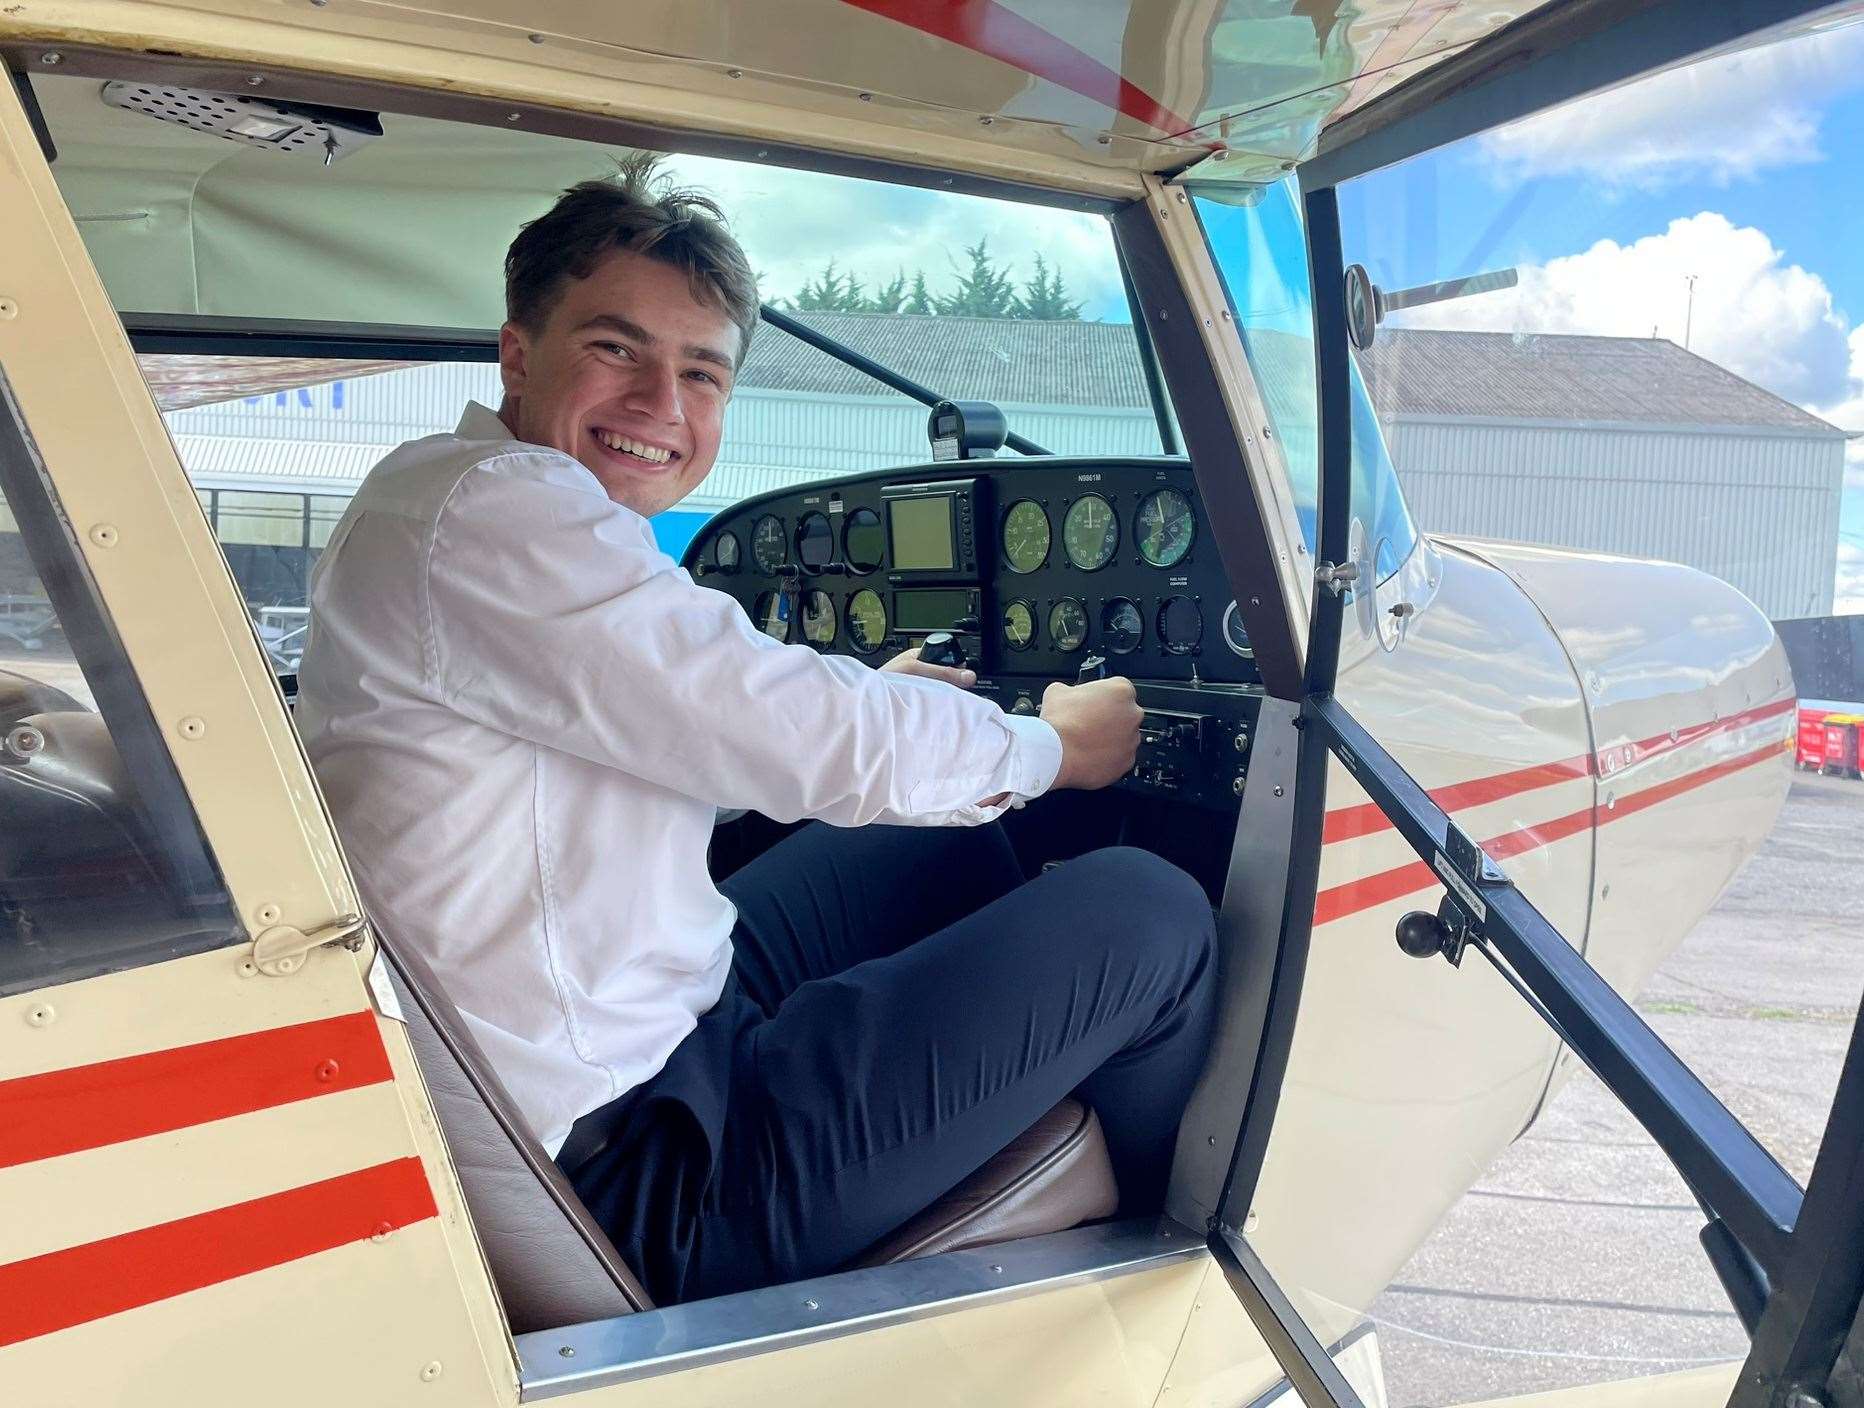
[(974, 298)]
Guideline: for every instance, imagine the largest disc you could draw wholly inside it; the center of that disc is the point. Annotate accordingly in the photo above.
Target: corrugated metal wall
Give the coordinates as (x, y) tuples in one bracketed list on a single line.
[(773, 439), (1754, 508)]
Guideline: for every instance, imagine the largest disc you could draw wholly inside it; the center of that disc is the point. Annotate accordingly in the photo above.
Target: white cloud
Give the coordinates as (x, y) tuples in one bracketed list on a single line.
[(1848, 581), (1724, 119), (792, 222), (1756, 314)]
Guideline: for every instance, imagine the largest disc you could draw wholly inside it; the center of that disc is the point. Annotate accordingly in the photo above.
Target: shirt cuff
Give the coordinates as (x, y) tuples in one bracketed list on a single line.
[(1035, 756)]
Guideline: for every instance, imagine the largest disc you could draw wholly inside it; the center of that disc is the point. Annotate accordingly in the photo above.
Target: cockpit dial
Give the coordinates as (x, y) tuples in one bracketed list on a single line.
[(1067, 625), (1234, 635), (772, 614), (1121, 626), (818, 618), (1090, 532), (815, 542), (1019, 625), (1180, 625), (1025, 536), (1165, 526), (867, 621), (863, 540), (769, 548), (725, 552)]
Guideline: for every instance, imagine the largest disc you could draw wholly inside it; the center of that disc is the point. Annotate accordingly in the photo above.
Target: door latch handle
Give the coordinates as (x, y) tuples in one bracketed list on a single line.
[(281, 949)]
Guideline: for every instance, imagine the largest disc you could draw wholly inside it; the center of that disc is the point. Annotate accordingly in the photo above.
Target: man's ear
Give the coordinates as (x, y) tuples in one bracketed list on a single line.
[(513, 350)]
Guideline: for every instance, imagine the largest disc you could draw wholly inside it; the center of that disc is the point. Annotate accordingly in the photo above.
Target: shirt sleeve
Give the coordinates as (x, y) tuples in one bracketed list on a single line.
[(549, 614)]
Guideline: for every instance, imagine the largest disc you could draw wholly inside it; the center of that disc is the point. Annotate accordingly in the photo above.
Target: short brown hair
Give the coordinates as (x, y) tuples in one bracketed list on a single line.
[(638, 211)]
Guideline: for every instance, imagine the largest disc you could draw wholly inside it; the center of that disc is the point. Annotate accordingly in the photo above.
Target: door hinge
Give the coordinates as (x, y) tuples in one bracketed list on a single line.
[(1336, 577), (280, 950)]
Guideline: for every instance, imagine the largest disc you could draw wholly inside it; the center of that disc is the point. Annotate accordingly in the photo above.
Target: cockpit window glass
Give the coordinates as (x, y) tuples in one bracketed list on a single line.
[(1620, 373), (102, 864), (973, 298), (1260, 246)]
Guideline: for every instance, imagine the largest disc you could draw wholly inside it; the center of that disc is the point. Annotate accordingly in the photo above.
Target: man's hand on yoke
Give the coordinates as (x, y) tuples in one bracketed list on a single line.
[(1099, 727)]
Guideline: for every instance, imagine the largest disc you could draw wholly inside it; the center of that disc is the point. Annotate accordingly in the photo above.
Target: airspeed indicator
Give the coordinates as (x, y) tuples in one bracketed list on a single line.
[(770, 547)]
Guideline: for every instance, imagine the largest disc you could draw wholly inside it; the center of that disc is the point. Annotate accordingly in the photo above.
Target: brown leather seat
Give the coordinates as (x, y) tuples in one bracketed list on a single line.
[(554, 1266)]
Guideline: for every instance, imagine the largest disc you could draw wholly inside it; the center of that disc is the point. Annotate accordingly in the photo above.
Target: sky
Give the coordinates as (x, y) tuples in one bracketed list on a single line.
[(1745, 171)]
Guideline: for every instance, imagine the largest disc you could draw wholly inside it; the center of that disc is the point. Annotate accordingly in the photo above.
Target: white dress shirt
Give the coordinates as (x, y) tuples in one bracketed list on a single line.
[(525, 717)]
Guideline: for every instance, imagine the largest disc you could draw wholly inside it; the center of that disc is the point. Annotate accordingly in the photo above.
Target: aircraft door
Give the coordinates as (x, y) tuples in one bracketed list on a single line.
[(217, 1162)]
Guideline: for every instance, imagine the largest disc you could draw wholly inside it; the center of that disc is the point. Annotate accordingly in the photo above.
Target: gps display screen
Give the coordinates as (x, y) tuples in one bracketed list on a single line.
[(929, 611), (921, 533)]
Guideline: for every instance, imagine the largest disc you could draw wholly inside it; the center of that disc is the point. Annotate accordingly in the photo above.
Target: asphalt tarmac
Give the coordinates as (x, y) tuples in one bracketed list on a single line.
[(1574, 1259)]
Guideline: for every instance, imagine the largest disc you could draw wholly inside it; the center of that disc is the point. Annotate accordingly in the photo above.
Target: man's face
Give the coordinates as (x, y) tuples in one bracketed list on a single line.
[(629, 374)]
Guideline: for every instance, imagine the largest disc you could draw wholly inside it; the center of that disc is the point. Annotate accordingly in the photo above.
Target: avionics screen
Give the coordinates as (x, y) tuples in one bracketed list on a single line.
[(929, 611), (921, 533)]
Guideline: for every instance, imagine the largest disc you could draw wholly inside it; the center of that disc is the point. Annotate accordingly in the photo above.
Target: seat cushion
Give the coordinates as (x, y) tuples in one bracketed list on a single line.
[(1056, 1175)]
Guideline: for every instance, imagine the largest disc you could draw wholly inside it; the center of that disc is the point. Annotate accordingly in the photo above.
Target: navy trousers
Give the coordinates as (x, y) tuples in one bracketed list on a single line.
[(902, 1005)]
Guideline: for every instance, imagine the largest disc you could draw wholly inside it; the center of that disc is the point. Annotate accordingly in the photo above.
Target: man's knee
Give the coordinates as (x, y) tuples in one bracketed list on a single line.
[(1155, 905)]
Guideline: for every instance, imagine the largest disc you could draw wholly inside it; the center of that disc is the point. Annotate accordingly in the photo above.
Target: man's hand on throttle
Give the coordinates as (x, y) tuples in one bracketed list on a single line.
[(1099, 727), (907, 662)]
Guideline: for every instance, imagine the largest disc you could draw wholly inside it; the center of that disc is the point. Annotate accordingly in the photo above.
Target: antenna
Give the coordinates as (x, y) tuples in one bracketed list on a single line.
[(1689, 313)]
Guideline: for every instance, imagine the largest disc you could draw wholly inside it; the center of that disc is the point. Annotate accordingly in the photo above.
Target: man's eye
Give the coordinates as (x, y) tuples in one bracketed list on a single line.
[(706, 376), (615, 347)]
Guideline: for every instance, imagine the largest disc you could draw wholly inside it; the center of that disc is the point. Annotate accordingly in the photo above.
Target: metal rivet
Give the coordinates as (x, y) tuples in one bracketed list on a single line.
[(1104, 140), (383, 1231), (248, 969), (1181, 197), (22, 742), (51, 60), (865, 97), (8, 310), (268, 914), (513, 116), (1251, 1222), (1267, 434), (1212, 1141), (535, 38), (104, 535), (811, 1305), (1278, 791), (566, 1351), (430, 1371), (734, 73), (1224, 314), (996, 1269), (1611, 800), (41, 1015), (191, 727), (986, 120), (1605, 891), (320, 3), (327, 1070), (286, 965), (255, 81), (762, 154)]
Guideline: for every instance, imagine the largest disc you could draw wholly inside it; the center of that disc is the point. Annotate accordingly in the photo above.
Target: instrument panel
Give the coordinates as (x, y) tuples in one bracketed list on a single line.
[(1043, 569)]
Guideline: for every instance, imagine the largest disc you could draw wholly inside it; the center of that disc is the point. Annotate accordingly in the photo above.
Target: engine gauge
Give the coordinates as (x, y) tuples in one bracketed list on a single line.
[(1180, 625), (769, 549), (1025, 536), (725, 552), (1164, 527), (1019, 625), (818, 618), (1121, 626), (772, 614), (1067, 624), (815, 541), (1090, 532), (1234, 635), (867, 622), (862, 540)]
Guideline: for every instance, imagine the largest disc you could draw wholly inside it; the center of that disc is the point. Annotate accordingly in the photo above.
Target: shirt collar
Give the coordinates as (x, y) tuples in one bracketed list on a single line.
[(478, 423)]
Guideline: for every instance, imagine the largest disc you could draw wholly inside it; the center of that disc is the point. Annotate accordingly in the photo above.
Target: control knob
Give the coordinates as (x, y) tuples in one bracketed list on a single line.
[(942, 648)]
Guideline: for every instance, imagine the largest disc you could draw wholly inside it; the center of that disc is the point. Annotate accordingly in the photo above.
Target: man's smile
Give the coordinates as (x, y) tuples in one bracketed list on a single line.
[(637, 454)]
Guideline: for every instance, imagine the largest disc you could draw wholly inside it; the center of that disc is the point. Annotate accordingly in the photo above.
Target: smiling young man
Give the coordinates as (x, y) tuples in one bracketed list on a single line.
[(526, 717)]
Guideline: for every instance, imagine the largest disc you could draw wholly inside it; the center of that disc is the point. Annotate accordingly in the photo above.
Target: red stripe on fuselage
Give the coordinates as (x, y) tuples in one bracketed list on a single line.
[(43, 1294), (1365, 819), (998, 32), (1342, 901), (86, 1107)]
